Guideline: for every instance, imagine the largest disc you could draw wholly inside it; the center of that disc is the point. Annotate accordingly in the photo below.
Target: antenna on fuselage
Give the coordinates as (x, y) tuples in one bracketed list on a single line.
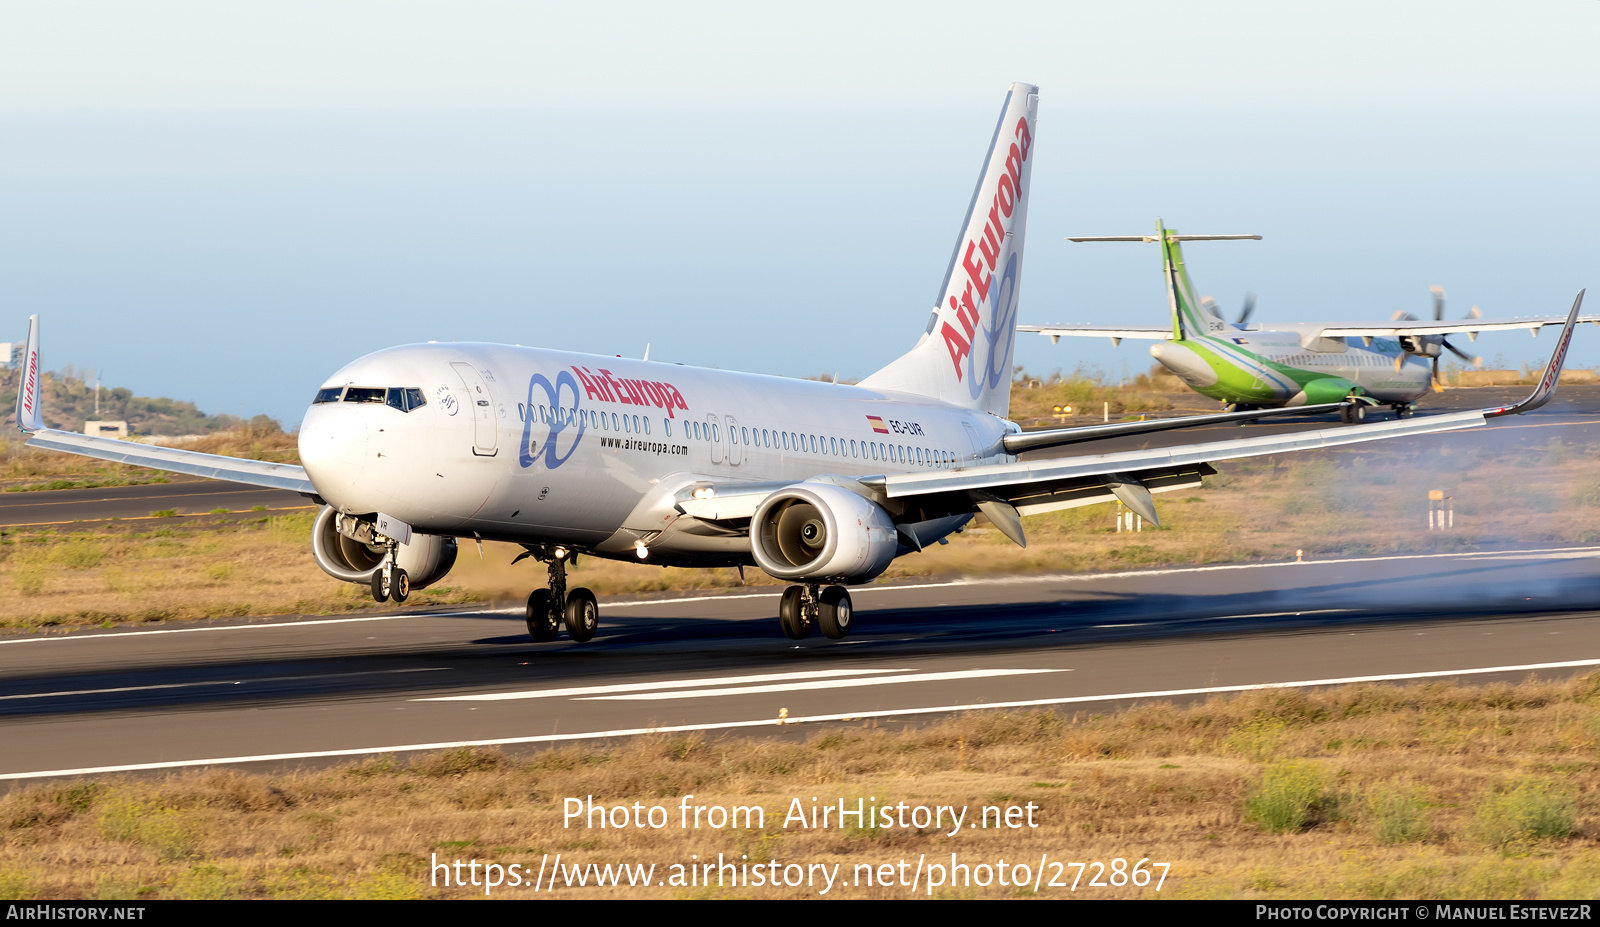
[(647, 350)]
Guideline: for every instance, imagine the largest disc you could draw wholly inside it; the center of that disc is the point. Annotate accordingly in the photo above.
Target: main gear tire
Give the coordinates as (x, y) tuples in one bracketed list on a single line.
[(582, 614), (834, 612), (542, 623)]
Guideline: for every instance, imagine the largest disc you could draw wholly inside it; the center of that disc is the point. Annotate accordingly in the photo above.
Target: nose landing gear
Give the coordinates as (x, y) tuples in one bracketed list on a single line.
[(389, 581), (549, 609), (812, 606)]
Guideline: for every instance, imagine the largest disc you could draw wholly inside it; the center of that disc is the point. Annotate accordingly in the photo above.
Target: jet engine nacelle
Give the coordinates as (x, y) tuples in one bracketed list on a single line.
[(426, 559), (821, 532)]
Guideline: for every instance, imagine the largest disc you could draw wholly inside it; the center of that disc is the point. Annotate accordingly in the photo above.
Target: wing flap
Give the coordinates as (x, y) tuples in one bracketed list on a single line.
[(174, 460)]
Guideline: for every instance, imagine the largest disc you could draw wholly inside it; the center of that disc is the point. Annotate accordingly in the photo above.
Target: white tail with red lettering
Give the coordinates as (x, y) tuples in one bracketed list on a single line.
[(28, 417), (964, 355)]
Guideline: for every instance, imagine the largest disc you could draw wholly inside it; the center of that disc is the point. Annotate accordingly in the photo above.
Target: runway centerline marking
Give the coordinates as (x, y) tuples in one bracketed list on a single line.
[(824, 684), (648, 686), (768, 722)]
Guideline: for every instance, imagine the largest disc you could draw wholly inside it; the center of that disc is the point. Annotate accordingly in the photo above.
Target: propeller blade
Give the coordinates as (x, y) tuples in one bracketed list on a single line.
[(1399, 361), (1436, 370), (1249, 307), (1474, 313), (1400, 315), (1438, 302), (1474, 361)]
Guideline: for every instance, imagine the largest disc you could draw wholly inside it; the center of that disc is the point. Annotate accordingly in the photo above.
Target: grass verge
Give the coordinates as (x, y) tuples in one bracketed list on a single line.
[(1378, 792)]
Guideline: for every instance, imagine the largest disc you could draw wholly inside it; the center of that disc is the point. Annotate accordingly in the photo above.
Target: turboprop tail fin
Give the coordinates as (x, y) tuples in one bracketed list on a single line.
[(964, 355)]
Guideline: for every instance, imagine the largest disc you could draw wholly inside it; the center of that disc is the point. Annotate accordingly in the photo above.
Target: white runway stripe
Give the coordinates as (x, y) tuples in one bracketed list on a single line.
[(768, 722), (825, 684), (220, 682), (647, 686)]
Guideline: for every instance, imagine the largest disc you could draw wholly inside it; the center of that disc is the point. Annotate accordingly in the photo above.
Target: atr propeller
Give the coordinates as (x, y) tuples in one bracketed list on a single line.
[(1429, 345), (1249, 307)]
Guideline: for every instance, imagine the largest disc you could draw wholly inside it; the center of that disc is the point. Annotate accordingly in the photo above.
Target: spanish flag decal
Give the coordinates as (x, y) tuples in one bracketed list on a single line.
[(877, 424)]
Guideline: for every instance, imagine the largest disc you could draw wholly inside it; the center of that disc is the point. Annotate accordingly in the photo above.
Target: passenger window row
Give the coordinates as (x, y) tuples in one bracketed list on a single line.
[(751, 437)]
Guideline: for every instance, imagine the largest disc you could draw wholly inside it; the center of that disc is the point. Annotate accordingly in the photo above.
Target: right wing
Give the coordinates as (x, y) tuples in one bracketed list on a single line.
[(1006, 491), (30, 421)]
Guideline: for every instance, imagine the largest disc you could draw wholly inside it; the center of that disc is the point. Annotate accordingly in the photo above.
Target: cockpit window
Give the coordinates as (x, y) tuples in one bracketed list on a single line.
[(331, 394), (364, 394), (405, 398)]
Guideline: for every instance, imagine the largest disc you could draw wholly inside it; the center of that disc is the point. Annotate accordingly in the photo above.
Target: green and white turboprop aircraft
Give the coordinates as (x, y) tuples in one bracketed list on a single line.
[(1286, 365)]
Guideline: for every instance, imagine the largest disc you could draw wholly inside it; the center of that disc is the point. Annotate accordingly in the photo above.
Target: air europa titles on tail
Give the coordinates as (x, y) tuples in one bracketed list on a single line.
[(996, 230), (819, 484)]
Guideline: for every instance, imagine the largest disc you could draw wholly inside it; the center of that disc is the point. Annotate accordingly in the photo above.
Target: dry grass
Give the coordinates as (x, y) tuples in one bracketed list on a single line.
[(1422, 791)]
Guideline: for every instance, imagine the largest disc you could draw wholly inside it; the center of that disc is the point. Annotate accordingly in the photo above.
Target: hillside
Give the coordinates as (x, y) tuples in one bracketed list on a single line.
[(69, 401)]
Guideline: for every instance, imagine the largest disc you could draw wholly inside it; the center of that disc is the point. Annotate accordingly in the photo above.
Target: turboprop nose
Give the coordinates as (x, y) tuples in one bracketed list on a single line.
[(333, 449)]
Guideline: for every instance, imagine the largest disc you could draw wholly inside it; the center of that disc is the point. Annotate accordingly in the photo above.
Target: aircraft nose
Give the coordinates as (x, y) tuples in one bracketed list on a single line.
[(333, 449)]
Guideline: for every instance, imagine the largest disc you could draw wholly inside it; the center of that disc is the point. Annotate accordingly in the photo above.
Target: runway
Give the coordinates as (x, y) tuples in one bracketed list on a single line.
[(291, 692)]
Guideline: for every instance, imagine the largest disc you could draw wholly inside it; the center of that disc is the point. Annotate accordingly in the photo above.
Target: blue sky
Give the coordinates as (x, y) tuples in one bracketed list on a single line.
[(226, 202)]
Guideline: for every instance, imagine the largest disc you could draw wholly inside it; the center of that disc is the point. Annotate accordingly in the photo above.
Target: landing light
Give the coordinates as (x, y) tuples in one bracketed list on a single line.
[(641, 550), (704, 492)]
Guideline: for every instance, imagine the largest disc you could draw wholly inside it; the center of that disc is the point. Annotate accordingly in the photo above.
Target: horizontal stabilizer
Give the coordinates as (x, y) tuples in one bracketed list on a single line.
[(1171, 237)]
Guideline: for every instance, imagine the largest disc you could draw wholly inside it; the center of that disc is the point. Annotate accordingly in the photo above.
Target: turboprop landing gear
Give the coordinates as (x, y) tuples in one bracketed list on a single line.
[(1353, 413), (549, 609), (1403, 409), (812, 606)]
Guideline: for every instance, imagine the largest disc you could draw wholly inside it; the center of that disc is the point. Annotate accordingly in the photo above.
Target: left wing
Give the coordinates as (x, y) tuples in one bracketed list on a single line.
[(30, 420)]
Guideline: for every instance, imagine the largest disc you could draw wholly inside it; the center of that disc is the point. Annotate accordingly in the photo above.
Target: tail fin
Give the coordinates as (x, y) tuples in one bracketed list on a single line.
[(29, 386), (1191, 317), (964, 355)]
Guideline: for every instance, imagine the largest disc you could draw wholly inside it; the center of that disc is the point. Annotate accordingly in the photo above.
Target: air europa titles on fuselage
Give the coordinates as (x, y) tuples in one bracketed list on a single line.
[(607, 388), (1006, 196)]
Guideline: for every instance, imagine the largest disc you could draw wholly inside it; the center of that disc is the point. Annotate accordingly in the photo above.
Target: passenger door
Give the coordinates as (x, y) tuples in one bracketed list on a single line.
[(480, 404)]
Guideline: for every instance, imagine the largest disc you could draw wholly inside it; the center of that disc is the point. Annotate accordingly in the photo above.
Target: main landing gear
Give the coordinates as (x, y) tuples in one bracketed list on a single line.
[(549, 609), (813, 606), (1353, 413)]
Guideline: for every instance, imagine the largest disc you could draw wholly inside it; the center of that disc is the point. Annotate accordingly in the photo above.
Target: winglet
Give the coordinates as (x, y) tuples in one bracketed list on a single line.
[(1552, 371), (28, 389)]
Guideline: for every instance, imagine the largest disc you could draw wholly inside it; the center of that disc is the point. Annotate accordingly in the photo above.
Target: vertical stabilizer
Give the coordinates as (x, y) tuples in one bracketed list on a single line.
[(964, 355), (28, 382), (1191, 317)]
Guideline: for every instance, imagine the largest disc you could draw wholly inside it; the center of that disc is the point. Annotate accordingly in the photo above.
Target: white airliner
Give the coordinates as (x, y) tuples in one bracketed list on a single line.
[(413, 447)]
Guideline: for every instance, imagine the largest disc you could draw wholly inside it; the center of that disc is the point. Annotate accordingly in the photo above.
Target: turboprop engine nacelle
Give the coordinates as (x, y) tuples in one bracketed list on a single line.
[(426, 559), (822, 532)]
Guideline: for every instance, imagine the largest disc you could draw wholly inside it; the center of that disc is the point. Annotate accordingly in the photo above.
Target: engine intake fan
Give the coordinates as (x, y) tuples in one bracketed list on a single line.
[(822, 532)]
